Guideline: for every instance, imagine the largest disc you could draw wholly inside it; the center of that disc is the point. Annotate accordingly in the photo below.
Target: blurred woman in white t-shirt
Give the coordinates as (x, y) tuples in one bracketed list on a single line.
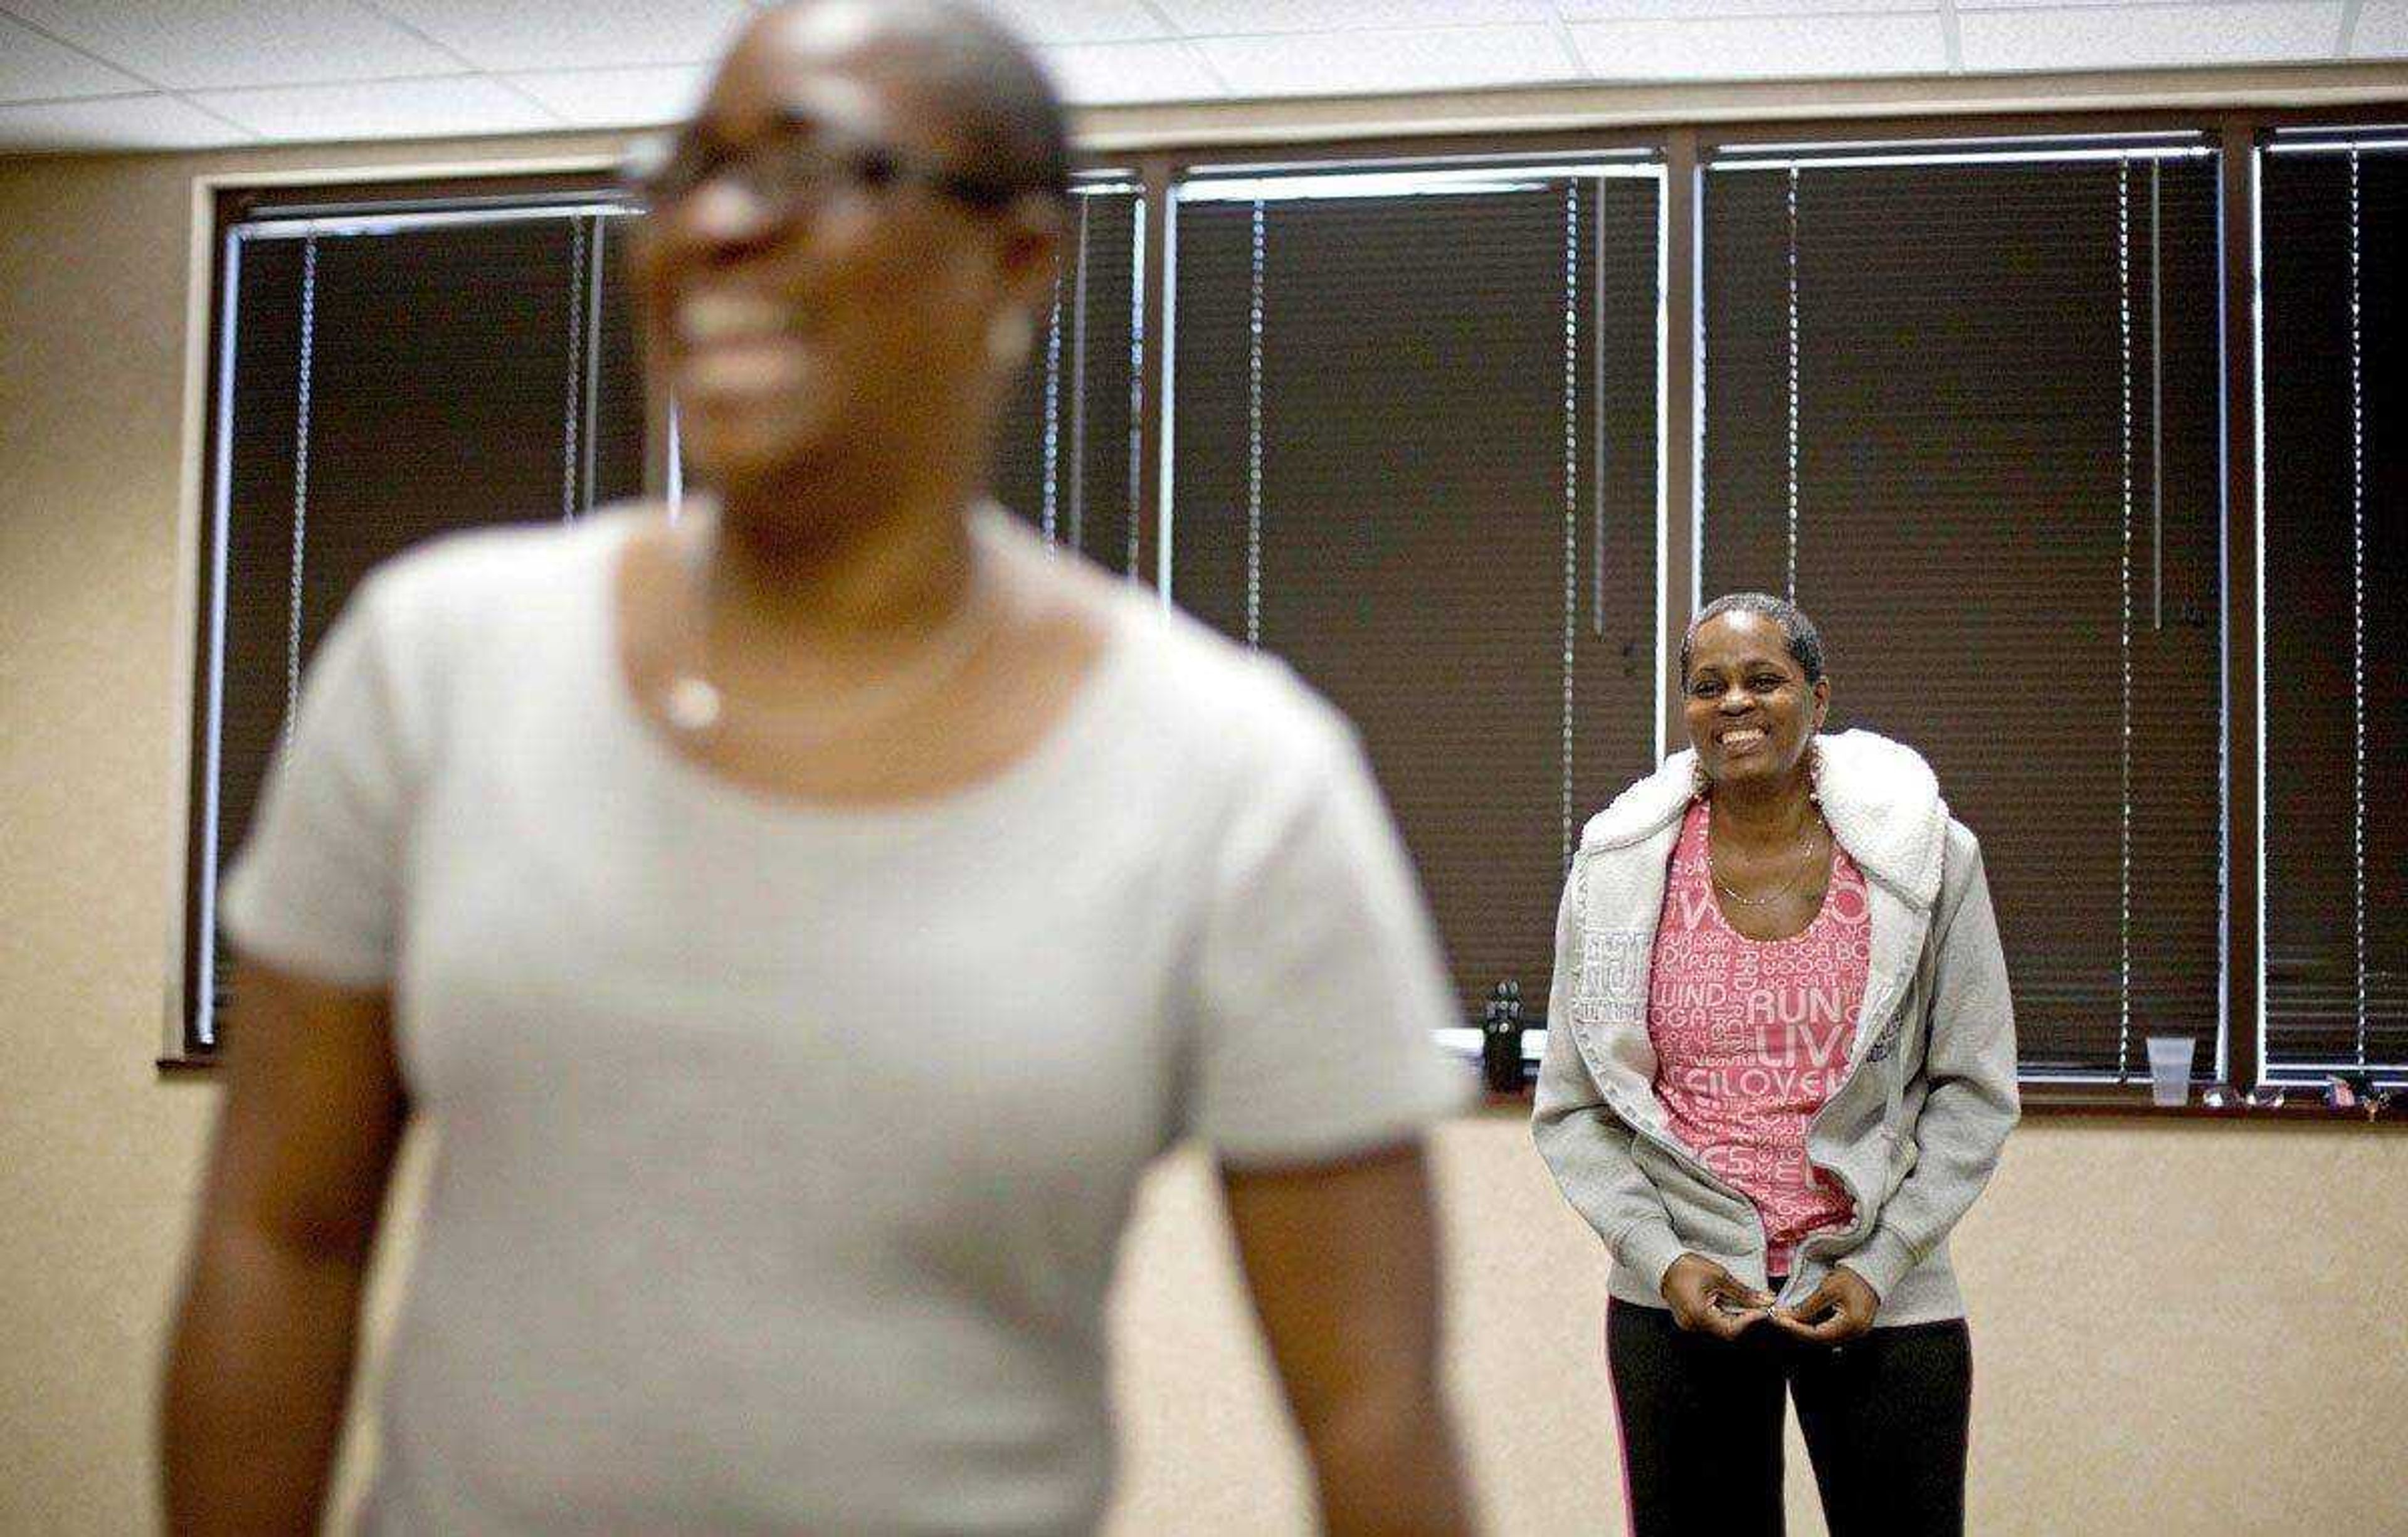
[(802, 925)]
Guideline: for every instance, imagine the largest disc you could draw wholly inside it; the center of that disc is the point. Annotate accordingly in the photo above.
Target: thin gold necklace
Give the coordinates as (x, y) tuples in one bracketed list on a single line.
[(695, 706), (1787, 887)]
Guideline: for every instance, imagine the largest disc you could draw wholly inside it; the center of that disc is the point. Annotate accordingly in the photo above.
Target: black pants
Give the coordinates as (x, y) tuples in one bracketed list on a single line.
[(1884, 1417)]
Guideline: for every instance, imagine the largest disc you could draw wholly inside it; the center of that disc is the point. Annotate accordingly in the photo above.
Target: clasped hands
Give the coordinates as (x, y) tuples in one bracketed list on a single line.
[(1707, 1299)]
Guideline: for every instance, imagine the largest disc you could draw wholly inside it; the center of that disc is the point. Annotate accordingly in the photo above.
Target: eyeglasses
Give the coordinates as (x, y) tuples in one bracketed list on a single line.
[(791, 175)]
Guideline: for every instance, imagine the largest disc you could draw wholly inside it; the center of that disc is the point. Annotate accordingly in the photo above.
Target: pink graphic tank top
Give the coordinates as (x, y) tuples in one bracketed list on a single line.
[(1753, 1035)]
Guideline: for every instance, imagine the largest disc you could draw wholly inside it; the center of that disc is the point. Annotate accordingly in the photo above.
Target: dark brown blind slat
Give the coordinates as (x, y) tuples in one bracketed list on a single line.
[(2336, 657), (1414, 511), (1960, 537)]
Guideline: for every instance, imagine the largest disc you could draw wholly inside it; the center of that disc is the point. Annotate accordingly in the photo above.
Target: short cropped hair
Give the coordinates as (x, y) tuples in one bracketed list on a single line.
[(1805, 641), (996, 96)]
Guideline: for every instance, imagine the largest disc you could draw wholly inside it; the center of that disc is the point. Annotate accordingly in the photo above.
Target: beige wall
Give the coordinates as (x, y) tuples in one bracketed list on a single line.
[(2180, 1328)]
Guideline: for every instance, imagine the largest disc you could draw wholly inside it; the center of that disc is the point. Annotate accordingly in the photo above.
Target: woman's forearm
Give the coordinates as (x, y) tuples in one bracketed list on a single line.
[(1389, 1470), (257, 1380)]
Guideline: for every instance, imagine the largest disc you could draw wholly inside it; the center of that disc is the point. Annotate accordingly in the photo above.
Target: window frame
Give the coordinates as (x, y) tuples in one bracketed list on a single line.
[(2302, 135), (1223, 179), (1764, 148), (221, 206), (2237, 132)]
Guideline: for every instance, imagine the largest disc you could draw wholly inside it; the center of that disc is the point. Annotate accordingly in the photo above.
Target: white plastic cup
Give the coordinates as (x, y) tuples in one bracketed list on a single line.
[(2170, 1060)]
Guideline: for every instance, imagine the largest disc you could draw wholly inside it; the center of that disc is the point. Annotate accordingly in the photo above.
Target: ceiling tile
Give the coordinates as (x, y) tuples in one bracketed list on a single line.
[(182, 44), (2148, 38), (1245, 18), (1078, 20), (112, 122), (2382, 31), (1098, 74), (1774, 47), (618, 98), (435, 108), (1378, 63), (574, 34), (1678, 10), (33, 68)]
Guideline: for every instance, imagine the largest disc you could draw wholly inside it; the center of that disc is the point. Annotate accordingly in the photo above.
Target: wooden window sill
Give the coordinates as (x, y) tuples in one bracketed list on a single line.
[(2049, 1101)]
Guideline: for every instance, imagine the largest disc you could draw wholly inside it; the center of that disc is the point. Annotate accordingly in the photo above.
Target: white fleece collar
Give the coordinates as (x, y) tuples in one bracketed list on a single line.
[(1879, 796)]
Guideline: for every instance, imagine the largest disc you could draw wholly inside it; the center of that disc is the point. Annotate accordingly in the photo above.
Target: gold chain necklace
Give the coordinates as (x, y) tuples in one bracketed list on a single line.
[(696, 706), (1787, 887)]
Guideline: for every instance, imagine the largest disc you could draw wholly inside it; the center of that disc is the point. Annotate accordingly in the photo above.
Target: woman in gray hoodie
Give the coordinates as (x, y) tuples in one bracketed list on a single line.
[(1781, 1066)]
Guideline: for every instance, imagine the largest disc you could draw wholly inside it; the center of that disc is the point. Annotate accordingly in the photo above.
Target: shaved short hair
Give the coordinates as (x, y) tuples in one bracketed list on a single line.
[(995, 97), (1805, 642)]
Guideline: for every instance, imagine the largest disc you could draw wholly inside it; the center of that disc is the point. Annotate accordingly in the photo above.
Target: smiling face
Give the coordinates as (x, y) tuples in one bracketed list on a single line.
[(811, 287), (1750, 710)]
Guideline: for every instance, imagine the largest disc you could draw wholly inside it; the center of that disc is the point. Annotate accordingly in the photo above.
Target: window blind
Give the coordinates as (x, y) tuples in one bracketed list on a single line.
[(1066, 454), (1414, 452), (1966, 411), (388, 376), (384, 379), (2336, 620)]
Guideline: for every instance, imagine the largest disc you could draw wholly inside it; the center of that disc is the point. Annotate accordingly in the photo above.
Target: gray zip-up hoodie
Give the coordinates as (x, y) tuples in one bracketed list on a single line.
[(1912, 1130)]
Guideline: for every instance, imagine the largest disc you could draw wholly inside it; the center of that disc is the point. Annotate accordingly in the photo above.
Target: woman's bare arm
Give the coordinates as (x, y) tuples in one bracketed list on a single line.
[(1342, 1262), (261, 1359)]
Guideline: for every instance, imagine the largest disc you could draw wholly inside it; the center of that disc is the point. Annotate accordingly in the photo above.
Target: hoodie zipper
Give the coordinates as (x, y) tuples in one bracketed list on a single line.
[(1834, 1237), (1755, 1215), (1855, 1196), (1689, 1160)]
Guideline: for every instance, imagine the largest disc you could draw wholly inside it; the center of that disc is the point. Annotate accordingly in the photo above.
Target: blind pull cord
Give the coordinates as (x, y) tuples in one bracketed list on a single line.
[(300, 480)]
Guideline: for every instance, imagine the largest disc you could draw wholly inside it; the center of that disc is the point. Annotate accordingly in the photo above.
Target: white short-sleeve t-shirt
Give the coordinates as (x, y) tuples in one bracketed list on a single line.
[(782, 1151)]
